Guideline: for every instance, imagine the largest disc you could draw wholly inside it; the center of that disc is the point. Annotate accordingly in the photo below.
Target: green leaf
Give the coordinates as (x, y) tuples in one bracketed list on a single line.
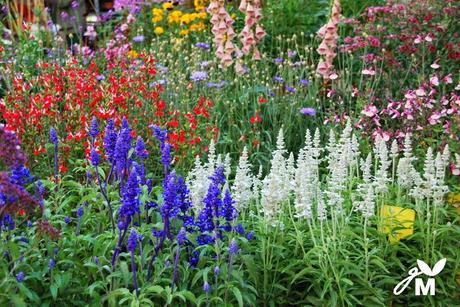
[(54, 290), (238, 296), (18, 301)]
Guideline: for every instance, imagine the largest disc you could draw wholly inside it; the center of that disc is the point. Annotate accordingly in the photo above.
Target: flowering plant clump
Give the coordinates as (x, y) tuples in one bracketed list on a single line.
[(68, 97), (177, 20), (14, 178), (423, 111)]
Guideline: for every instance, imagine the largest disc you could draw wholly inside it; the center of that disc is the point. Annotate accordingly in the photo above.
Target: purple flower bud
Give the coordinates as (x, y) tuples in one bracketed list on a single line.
[(94, 130), (95, 158), (132, 240), (250, 236), (239, 229), (181, 236), (80, 212), (160, 134), (233, 248), (141, 152), (53, 136), (67, 220), (216, 270), (51, 263), (206, 287)]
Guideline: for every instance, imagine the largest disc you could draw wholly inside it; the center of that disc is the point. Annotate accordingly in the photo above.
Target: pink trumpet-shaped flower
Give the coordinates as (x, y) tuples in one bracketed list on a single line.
[(222, 29), (252, 32), (329, 34)]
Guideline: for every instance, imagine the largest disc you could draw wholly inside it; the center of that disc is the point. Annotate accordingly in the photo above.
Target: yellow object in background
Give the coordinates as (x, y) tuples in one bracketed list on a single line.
[(454, 200), (397, 222)]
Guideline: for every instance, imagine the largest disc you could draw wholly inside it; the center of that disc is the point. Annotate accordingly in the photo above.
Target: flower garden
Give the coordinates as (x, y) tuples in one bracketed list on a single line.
[(229, 153)]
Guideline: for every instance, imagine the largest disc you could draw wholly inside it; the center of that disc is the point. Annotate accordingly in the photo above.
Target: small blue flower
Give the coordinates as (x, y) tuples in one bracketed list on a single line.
[(67, 220), (20, 276), (138, 38), (52, 264), (239, 229), (290, 89), (201, 45), (304, 82), (198, 76), (278, 79), (80, 211), (308, 111), (250, 236), (206, 287)]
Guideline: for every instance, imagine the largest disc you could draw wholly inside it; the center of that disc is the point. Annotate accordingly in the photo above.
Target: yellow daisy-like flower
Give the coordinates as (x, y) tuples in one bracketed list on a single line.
[(157, 12), (156, 19), (184, 32), (133, 54), (167, 5), (197, 27), (200, 4), (202, 15), (159, 30), (175, 17), (185, 19)]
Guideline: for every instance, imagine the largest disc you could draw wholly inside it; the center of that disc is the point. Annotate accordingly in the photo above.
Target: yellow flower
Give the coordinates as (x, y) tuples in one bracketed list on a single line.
[(157, 12), (183, 32), (156, 19), (233, 16), (202, 15), (175, 17), (167, 5), (159, 30), (197, 26), (133, 54), (185, 19)]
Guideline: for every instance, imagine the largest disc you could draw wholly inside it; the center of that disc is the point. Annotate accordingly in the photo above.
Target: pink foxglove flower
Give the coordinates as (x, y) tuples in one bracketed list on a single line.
[(329, 34), (222, 28), (252, 32)]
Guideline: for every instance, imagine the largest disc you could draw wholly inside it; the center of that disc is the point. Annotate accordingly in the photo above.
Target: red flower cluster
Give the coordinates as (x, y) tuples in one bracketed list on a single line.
[(67, 97)]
